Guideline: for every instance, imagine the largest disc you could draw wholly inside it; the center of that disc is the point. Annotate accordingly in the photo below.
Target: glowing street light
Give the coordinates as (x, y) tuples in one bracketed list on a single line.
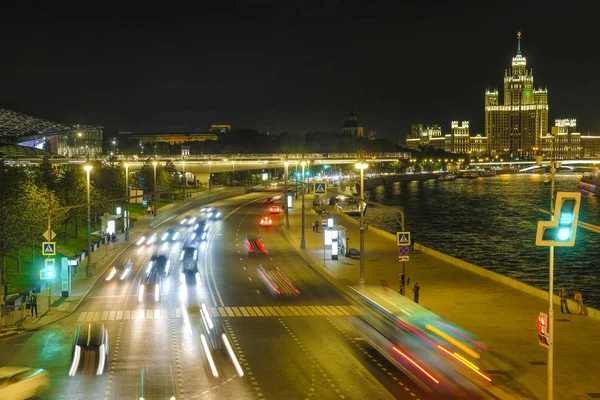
[(362, 166), (154, 164), (303, 241), (88, 271)]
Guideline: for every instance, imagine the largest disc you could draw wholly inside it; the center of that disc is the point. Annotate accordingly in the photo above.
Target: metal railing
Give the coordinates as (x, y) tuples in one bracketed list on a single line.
[(12, 317)]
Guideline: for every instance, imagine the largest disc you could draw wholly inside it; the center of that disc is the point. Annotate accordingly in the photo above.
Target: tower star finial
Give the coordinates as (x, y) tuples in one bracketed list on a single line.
[(519, 42)]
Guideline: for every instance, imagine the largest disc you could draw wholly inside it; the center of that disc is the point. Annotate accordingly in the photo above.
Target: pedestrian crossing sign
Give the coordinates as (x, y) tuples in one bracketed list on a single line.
[(321, 188), (48, 248), (403, 238)]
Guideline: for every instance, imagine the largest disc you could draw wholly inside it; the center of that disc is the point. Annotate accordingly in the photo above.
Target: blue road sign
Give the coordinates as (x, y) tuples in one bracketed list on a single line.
[(144, 203), (48, 248), (321, 188), (403, 238)]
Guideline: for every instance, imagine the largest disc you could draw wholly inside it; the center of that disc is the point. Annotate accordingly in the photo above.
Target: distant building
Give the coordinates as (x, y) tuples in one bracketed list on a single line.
[(372, 135), (425, 135), (517, 127), (216, 128), (62, 139), (170, 138), (457, 141), (352, 127)]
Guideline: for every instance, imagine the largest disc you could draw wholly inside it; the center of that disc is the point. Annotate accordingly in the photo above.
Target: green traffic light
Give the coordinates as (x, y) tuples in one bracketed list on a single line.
[(564, 234)]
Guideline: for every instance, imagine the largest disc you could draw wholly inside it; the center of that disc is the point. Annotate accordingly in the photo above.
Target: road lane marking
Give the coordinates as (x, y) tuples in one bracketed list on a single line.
[(119, 315), (273, 311), (104, 316), (340, 308), (111, 315), (320, 310), (236, 311), (300, 311), (127, 314), (222, 311), (266, 311), (296, 313), (229, 312), (97, 316), (251, 311), (244, 312), (307, 310), (157, 313), (82, 316)]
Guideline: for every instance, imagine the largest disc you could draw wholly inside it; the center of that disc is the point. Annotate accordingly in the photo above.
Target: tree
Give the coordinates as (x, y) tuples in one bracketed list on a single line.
[(72, 190)]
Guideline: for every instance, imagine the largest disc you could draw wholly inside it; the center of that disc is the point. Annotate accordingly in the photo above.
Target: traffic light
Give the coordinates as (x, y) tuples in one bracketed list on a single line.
[(543, 336), (49, 268), (563, 229)]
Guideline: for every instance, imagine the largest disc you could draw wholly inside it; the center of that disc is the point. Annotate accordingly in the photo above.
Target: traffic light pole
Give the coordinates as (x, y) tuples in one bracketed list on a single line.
[(550, 371)]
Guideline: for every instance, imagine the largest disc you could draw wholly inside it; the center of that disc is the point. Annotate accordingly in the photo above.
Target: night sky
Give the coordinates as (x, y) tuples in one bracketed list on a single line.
[(294, 66)]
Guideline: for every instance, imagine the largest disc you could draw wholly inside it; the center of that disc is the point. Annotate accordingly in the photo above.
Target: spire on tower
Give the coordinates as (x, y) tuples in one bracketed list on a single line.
[(519, 42)]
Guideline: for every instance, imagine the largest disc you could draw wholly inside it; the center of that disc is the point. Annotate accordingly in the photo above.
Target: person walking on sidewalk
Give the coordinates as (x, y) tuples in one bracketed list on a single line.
[(417, 290), (563, 300), (317, 223), (579, 300), (34, 304), (28, 309)]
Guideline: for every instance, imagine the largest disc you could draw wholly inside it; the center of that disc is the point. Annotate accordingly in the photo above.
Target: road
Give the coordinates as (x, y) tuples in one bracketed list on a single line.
[(295, 347)]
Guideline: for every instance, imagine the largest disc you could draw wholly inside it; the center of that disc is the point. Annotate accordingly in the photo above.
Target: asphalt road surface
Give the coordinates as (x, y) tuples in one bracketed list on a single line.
[(294, 346)]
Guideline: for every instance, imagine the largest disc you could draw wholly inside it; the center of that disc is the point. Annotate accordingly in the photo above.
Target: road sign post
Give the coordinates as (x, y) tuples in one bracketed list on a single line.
[(403, 242)]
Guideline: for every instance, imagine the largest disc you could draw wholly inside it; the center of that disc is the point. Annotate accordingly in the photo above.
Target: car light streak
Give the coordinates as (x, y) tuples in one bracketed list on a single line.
[(260, 246), (141, 240), (156, 292), (416, 332), (124, 274), (101, 361), (112, 273), (466, 362), (234, 359), (455, 342), (415, 364), (167, 267), (75, 363), (141, 293), (204, 321), (186, 320), (205, 309), (149, 267), (213, 367), (270, 282), (193, 236), (462, 334), (287, 281), (249, 247)]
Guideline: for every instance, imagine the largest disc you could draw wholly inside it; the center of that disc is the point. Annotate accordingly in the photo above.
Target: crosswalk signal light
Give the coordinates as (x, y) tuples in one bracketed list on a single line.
[(543, 336), (562, 230), (49, 268)]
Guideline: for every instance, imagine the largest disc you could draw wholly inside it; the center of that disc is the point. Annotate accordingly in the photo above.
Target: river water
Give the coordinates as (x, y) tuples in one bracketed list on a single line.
[(492, 222)]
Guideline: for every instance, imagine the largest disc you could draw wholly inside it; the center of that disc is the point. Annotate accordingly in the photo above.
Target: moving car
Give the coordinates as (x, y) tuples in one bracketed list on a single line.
[(23, 382), (200, 231), (277, 282), (274, 210), (266, 221), (269, 200), (254, 245), (151, 283), (120, 272), (170, 234), (189, 267), (206, 209), (189, 221), (90, 349), (163, 264), (214, 214), (147, 241)]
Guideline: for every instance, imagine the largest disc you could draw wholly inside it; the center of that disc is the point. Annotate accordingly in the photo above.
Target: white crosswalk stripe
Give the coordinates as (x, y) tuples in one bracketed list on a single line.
[(216, 312)]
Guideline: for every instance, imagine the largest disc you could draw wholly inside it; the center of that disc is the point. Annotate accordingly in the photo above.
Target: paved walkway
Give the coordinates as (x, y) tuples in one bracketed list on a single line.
[(105, 254), (503, 317)]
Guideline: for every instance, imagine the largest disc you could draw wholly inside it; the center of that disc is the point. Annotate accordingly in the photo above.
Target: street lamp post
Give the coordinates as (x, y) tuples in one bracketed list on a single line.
[(362, 166), (303, 241), (126, 216), (184, 179), (296, 178), (232, 173), (285, 191), (114, 143), (155, 203), (209, 175), (88, 271)]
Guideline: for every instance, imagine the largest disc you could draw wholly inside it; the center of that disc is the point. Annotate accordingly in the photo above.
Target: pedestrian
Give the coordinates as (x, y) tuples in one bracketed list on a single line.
[(113, 237), (563, 300), (28, 310), (34, 304), (400, 291), (317, 226), (416, 289), (579, 300)]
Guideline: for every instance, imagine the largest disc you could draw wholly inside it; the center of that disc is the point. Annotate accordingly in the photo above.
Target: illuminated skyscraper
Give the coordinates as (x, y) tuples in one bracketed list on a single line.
[(517, 127)]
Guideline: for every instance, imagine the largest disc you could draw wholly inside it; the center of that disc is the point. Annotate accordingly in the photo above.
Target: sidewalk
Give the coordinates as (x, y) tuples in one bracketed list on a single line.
[(501, 316), (101, 259)]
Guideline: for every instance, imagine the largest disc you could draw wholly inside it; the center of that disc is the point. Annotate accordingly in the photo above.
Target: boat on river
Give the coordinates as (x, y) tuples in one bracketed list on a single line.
[(447, 177), (590, 182)]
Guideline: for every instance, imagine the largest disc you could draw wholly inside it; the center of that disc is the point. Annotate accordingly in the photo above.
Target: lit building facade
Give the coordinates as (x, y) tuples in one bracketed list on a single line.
[(516, 128), (352, 127), (425, 135), (457, 141), (220, 128)]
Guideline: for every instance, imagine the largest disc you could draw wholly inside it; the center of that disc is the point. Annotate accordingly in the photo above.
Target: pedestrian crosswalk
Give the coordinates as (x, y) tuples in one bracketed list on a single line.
[(225, 312)]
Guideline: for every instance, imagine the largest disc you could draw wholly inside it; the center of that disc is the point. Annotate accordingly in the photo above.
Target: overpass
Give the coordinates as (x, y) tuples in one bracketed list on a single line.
[(203, 164)]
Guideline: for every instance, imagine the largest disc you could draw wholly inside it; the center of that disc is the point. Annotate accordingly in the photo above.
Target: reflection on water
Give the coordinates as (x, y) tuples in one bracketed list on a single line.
[(492, 222)]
